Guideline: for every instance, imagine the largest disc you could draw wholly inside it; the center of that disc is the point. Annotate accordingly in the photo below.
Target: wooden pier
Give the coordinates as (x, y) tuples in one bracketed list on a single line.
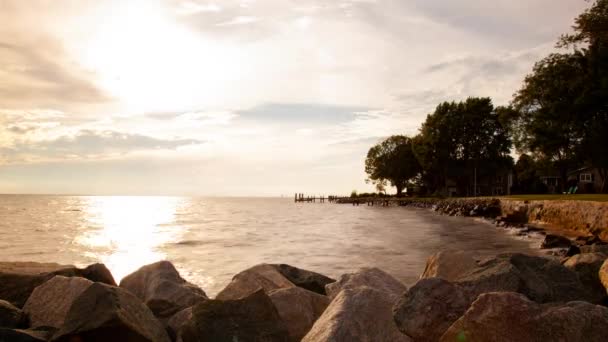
[(313, 199), (356, 201)]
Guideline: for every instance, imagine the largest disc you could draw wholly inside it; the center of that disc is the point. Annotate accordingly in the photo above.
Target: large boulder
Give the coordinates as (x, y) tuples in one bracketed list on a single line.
[(263, 276), (540, 279), (357, 314), (49, 303), (311, 281), (162, 289), (428, 308), (507, 316), (10, 316), (555, 241), (19, 279), (252, 318), (449, 265), (299, 309), (587, 266), (108, 313), (441, 303), (370, 277)]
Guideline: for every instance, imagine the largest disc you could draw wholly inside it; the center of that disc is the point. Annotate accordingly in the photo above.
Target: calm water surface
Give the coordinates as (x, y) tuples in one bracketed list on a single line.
[(211, 239)]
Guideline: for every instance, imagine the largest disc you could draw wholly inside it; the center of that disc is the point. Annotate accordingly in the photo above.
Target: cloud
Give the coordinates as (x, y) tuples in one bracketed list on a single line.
[(310, 113), (88, 144)]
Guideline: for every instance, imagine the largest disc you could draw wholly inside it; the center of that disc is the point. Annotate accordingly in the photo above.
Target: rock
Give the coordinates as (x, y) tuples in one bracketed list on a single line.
[(98, 273), (10, 316), (176, 322), (262, 276), (19, 279), (541, 279), (594, 249), (555, 241), (573, 250), (311, 281), (357, 314), (587, 266), (299, 309), (29, 335), (371, 277), (603, 274), (162, 289), (504, 316), (428, 308), (449, 265), (252, 318), (49, 303), (108, 313)]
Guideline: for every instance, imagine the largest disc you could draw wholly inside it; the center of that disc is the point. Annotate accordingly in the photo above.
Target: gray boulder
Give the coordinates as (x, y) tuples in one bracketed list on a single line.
[(507, 316), (311, 281), (19, 279), (10, 316), (370, 277), (49, 303), (162, 289), (449, 265), (108, 313), (357, 314), (263, 276), (587, 266), (299, 309), (428, 308), (252, 318)]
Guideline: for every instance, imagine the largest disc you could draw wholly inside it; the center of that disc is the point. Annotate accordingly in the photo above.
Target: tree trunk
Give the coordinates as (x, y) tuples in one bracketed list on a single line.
[(399, 189)]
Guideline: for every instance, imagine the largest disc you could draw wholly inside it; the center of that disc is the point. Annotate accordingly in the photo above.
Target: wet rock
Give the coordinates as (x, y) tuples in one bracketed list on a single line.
[(49, 303), (449, 265), (357, 314), (555, 241), (29, 335), (587, 267), (19, 279), (10, 316), (176, 322), (299, 309), (162, 289), (108, 313), (428, 308), (370, 277), (311, 281), (603, 274), (262, 276), (98, 273), (505, 316), (252, 318)]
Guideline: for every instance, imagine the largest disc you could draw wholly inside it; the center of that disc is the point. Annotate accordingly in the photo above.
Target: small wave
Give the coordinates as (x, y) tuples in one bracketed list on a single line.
[(188, 243)]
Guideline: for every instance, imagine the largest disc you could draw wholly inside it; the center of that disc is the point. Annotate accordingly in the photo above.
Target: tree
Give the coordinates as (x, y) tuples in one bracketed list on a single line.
[(563, 104), (462, 141), (392, 160)]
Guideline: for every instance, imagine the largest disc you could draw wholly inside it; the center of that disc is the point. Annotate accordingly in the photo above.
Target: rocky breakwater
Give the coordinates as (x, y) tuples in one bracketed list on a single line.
[(458, 298)]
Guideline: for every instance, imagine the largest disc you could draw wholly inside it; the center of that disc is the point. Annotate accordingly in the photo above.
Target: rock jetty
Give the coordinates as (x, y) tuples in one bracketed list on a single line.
[(510, 297)]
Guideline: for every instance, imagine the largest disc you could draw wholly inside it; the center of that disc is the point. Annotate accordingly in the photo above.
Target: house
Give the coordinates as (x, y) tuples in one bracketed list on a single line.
[(496, 184), (587, 179)]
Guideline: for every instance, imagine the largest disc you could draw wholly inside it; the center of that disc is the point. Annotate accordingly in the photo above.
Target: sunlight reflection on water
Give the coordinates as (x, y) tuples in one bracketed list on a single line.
[(126, 232)]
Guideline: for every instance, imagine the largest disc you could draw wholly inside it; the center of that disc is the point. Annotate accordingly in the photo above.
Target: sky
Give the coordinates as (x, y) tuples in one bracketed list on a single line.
[(243, 97)]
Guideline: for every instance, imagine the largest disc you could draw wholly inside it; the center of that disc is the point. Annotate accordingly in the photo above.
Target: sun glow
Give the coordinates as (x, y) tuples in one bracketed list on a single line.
[(128, 232), (149, 62)]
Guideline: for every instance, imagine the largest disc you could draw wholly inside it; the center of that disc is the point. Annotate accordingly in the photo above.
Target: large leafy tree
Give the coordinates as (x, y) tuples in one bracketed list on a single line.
[(563, 104), (460, 141), (392, 160)]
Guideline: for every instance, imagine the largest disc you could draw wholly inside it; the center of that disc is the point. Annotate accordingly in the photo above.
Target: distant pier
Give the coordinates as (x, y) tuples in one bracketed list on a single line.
[(370, 201)]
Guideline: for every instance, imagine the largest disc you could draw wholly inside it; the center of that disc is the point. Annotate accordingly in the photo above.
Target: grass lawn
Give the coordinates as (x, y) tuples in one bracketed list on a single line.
[(581, 197)]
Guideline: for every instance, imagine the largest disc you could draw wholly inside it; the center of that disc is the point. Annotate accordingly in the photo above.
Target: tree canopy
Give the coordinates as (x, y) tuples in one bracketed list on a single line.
[(392, 160)]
